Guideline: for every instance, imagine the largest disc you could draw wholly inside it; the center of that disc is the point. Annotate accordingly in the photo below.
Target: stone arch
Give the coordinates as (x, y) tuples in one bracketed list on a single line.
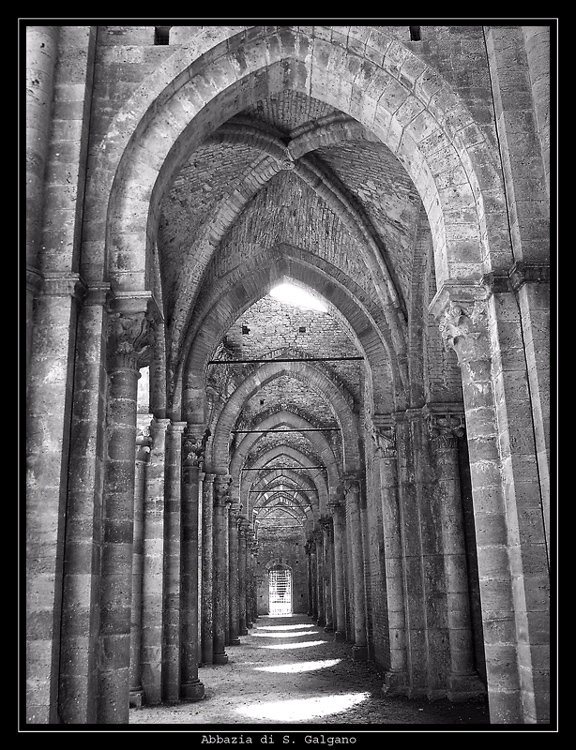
[(314, 478), (314, 378), (419, 117), (383, 352)]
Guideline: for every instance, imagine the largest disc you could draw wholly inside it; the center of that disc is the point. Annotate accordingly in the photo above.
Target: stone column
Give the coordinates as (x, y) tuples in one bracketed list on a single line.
[(337, 512), (234, 574), (220, 565), (319, 582), (354, 521), (192, 451), (308, 551), (242, 619), (514, 585), (172, 551), (326, 523), (80, 622), (252, 547), (207, 569), (384, 436), (153, 565), (41, 55), (131, 338), (143, 443), (444, 429)]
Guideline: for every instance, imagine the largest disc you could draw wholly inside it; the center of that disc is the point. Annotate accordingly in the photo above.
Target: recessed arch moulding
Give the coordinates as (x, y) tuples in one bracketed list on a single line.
[(418, 117)]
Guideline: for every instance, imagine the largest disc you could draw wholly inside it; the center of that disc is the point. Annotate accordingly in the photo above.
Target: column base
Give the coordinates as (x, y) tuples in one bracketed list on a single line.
[(192, 691), (339, 636), (329, 628), (395, 683), (464, 687), (235, 642), (136, 698), (320, 622), (244, 631), (221, 658), (360, 653)]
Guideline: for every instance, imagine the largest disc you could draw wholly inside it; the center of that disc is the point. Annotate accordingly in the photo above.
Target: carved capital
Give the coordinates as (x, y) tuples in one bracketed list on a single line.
[(351, 486), (222, 490), (133, 319), (445, 428), (384, 435), (64, 285), (193, 447)]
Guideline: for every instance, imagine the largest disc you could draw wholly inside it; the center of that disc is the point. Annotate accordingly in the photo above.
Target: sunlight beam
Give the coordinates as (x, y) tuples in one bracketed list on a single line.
[(305, 644), (294, 634), (300, 666), (303, 709)]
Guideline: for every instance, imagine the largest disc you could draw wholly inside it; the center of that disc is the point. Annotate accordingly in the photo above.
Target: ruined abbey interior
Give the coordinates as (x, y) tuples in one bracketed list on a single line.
[(203, 446)]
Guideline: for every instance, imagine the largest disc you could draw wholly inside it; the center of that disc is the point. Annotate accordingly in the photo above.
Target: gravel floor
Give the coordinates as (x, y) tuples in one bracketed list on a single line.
[(288, 671)]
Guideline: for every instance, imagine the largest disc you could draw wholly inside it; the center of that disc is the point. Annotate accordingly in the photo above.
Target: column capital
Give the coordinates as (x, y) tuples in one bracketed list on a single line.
[(383, 433), (351, 484), (132, 324), (193, 447), (222, 490), (518, 274), (444, 425), (177, 427), (461, 311)]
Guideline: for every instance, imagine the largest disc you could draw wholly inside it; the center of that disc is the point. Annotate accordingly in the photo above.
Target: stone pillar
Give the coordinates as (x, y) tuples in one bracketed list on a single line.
[(80, 619), (207, 570), (251, 608), (234, 574), (354, 521), (172, 551), (326, 524), (220, 565), (131, 338), (514, 583), (143, 443), (319, 582), (41, 55), (153, 565), (337, 512), (384, 436), (242, 573), (444, 428), (192, 451)]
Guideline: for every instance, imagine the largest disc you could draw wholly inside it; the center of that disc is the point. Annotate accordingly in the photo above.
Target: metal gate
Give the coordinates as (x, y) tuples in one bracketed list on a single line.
[(280, 592)]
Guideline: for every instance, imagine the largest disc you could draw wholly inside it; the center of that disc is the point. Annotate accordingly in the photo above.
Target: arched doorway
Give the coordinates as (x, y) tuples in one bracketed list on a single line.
[(280, 591)]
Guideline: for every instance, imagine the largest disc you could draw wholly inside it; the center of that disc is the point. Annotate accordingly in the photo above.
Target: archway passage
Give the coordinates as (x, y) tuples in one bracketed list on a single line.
[(279, 592), (388, 443)]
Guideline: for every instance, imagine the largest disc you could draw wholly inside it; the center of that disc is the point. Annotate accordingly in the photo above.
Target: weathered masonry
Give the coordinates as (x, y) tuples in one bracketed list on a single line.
[(199, 449)]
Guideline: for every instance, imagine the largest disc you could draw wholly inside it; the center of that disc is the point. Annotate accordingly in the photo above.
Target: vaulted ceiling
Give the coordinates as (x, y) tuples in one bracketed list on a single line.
[(291, 180)]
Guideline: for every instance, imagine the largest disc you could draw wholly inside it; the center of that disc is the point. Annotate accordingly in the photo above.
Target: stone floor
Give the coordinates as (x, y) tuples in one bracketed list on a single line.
[(288, 672)]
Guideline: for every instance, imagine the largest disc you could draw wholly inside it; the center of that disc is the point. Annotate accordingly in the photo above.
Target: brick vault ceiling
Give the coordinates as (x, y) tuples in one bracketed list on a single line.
[(285, 210)]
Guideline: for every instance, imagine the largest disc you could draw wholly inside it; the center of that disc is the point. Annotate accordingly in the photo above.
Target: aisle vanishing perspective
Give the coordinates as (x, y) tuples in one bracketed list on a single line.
[(286, 671)]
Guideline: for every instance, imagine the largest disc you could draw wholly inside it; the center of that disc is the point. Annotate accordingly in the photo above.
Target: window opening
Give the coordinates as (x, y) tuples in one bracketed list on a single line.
[(415, 33), (280, 592)]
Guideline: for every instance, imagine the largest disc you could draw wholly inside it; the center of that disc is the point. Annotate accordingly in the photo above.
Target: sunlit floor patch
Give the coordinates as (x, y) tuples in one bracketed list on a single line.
[(303, 709), (293, 634), (304, 644), (302, 666), (282, 627)]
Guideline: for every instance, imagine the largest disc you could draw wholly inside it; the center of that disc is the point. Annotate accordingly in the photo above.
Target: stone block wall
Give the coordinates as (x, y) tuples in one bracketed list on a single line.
[(278, 545)]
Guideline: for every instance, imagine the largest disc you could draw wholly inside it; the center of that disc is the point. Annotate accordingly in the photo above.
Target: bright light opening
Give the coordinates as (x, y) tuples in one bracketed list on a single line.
[(303, 709), (300, 666), (295, 295), (281, 627)]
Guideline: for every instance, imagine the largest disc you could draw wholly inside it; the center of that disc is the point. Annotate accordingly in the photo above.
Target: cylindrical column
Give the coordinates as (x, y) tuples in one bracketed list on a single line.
[(142, 457), (339, 609), (463, 681), (220, 566), (353, 519), (319, 582), (233, 575), (153, 565), (192, 448), (172, 551), (384, 436), (207, 569), (131, 335), (242, 573), (326, 523)]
